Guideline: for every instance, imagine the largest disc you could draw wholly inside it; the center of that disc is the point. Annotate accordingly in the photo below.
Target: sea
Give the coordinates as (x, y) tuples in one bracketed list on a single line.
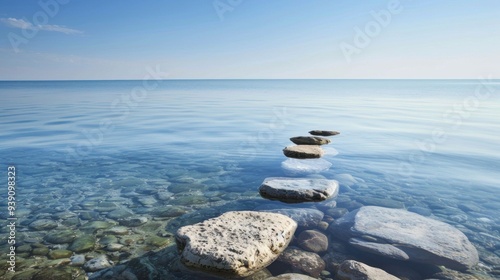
[(86, 154)]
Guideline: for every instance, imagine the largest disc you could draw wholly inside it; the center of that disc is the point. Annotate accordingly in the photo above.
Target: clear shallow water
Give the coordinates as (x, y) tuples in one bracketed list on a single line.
[(426, 144)]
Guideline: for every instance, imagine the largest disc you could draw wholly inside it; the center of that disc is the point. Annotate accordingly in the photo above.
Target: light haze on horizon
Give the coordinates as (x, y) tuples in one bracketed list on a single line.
[(242, 39)]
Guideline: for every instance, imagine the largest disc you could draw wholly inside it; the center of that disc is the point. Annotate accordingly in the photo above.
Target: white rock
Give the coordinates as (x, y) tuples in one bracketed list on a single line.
[(236, 243), (403, 235)]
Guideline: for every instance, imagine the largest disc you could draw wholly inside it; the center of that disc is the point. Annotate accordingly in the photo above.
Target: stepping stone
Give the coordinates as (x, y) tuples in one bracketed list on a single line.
[(403, 235), (235, 244), (298, 190), (324, 132), (310, 140), (303, 151)]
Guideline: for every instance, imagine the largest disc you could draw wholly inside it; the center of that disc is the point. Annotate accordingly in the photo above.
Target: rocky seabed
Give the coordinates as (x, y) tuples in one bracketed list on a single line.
[(201, 223)]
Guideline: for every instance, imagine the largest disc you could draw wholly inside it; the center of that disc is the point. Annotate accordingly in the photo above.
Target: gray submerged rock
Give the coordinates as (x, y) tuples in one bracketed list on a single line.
[(305, 217), (97, 263), (296, 167), (310, 140), (235, 244), (303, 151), (313, 241), (298, 190), (304, 262), (43, 224), (324, 132), (353, 270), (404, 235), (291, 276)]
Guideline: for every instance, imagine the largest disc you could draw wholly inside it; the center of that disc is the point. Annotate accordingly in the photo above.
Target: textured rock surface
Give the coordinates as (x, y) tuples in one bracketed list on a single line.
[(304, 262), (313, 241), (310, 140), (298, 190), (353, 270), (236, 243), (303, 151), (404, 235), (324, 132)]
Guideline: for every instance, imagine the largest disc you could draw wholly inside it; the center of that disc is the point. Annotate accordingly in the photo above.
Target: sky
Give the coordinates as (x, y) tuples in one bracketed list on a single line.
[(244, 39)]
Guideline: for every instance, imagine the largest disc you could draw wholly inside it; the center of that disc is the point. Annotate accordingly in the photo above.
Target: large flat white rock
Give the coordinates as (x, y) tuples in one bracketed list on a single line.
[(403, 235), (235, 244)]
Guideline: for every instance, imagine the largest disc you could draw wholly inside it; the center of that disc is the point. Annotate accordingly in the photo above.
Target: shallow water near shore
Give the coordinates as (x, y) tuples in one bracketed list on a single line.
[(178, 152)]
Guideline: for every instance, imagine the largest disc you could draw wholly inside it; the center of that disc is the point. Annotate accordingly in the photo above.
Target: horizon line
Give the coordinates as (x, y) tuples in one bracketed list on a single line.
[(241, 79)]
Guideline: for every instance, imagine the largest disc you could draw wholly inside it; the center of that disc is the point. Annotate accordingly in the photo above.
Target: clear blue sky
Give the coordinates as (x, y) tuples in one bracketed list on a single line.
[(221, 39)]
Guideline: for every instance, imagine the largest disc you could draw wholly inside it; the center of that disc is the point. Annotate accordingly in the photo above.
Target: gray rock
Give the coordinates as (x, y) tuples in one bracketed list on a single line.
[(108, 239), (105, 206), (113, 247), (77, 260), (60, 254), (447, 274), (353, 270), (169, 211), (43, 224), (323, 132), (298, 190), (301, 261), (117, 230), (95, 225), (333, 259), (82, 244), (119, 214), (303, 151), (60, 237), (312, 241), (89, 215), (404, 235), (336, 212), (133, 221), (326, 205), (97, 263), (310, 140), (259, 275), (291, 276), (236, 243), (147, 201), (305, 217)]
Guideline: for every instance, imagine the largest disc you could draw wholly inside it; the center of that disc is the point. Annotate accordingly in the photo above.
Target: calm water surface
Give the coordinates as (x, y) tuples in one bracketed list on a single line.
[(85, 149)]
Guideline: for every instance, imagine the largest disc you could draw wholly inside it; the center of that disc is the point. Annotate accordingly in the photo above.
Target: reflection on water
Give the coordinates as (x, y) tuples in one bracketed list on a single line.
[(121, 177)]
